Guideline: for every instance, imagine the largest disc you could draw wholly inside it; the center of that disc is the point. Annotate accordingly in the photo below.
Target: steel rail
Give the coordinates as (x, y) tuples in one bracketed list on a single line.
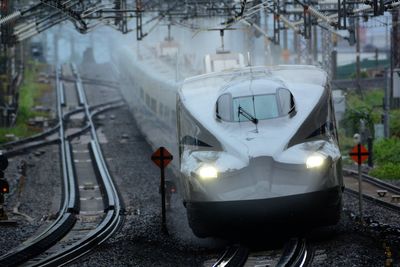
[(294, 254), (114, 207), (375, 181), (379, 184), (95, 144), (70, 200), (39, 136), (96, 82), (18, 147), (233, 256), (66, 218)]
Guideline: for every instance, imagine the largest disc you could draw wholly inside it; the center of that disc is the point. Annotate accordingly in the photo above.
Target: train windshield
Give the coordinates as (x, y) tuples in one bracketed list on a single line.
[(255, 107), (261, 107)]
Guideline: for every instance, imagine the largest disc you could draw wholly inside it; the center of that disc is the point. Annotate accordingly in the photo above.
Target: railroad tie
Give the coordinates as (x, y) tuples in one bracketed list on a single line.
[(381, 193), (395, 198)]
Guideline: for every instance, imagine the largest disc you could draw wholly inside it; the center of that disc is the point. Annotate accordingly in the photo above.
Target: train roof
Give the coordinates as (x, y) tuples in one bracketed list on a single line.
[(284, 76), (281, 73), (155, 67)]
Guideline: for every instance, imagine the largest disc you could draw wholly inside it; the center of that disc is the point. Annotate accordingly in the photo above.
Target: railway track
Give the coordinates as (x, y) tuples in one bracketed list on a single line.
[(294, 253), (91, 210), (375, 190)]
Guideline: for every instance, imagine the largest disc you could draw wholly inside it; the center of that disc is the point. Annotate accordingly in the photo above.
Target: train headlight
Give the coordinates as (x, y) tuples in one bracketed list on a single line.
[(315, 161), (207, 172)]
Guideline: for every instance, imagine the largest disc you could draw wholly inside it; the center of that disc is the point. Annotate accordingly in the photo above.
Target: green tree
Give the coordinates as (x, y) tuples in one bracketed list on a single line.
[(387, 158), (395, 123)]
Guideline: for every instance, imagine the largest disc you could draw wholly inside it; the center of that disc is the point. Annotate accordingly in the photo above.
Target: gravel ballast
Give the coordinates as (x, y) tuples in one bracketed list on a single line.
[(40, 197)]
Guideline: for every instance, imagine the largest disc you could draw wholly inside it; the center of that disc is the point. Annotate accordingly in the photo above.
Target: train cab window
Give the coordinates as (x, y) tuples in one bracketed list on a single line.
[(255, 107), (261, 107)]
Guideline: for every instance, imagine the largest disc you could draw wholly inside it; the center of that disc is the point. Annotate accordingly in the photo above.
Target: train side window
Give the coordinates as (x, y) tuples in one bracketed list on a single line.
[(286, 101), (224, 108)]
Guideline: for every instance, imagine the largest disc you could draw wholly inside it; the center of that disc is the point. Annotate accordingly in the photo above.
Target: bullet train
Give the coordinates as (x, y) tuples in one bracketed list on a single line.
[(253, 146)]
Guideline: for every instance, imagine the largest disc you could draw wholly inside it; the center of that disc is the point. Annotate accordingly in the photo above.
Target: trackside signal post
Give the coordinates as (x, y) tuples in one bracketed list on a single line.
[(161, 157), (359, 154)]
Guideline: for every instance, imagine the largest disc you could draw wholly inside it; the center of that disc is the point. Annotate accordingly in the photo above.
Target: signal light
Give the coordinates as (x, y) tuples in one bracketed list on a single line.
[(4, 187)]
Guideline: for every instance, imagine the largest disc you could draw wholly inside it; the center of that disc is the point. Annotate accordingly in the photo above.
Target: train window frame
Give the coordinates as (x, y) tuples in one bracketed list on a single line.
[(226, 116), (292, 110), (332, 120)]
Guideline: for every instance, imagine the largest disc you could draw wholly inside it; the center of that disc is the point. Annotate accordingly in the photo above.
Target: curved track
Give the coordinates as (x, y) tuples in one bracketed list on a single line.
[(91, 210)]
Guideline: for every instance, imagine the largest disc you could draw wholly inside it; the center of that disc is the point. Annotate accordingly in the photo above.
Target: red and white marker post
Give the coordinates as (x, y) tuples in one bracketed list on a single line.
[(359, 154), (161, 157)]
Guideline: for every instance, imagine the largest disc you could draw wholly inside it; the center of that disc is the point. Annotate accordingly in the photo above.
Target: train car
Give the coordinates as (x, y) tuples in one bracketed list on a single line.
[(149, 79), (258, 146), (253, 146)]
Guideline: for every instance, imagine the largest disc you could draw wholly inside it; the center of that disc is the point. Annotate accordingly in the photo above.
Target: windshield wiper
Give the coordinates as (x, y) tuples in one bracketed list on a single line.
[(244, 113)]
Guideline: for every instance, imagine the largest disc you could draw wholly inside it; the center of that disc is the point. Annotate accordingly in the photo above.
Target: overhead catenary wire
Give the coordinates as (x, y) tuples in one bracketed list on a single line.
[(87, 15)]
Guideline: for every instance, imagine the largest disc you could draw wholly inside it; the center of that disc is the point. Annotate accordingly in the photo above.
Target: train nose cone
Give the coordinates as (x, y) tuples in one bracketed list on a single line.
[(261, 174)]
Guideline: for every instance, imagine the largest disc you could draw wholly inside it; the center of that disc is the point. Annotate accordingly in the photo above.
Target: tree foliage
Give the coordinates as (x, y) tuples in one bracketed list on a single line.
[(395, 123), (368, 109), (386, 171), (387, 150), (387, 158)]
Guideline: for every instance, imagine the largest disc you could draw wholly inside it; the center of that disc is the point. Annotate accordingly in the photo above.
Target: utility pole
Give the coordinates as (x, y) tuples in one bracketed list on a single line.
[(386, 102), (296, 39), (3, 64), (358, 55), (395, 58), (396, 38), (315, 44), (8, 73), (309, 48), (334, 58)]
